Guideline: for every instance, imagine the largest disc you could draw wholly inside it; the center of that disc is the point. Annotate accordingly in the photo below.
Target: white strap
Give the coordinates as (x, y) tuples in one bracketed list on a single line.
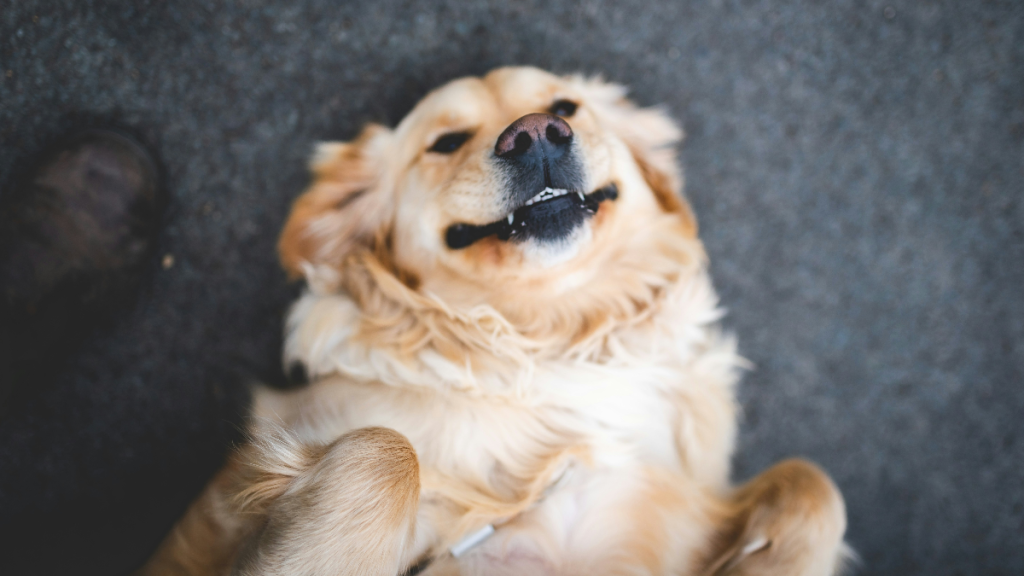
[(471, 541)]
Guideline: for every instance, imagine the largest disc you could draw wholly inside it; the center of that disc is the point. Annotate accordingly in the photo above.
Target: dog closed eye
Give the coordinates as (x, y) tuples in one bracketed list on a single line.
[(563, 108), (448, 143)]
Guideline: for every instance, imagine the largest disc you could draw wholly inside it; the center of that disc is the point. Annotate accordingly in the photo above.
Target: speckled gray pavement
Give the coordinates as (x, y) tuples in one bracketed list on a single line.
[(857, 168)]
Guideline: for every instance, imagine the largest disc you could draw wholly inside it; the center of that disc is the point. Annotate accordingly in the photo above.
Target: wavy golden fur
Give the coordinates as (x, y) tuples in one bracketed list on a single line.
[(576, 395)]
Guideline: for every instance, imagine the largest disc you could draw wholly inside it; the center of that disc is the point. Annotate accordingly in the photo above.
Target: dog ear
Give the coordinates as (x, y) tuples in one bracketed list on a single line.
[(651, 136), (346, 206)]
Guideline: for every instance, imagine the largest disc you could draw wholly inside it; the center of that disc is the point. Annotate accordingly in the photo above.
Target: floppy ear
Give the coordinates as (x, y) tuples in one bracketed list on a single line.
[(346, 206), (651, 136)]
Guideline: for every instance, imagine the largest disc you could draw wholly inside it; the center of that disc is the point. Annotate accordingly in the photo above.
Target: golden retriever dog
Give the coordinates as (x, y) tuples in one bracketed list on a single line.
[(515, 364)]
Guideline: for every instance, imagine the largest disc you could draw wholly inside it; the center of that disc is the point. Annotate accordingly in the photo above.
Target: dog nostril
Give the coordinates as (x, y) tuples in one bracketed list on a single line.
[(522, 143), (555, 135)]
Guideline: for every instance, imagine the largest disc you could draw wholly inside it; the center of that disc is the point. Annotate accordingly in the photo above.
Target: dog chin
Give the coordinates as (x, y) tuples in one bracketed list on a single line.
[(548, 253)]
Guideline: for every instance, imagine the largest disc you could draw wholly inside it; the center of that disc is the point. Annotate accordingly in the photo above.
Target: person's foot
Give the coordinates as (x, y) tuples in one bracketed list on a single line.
[(74, 239)]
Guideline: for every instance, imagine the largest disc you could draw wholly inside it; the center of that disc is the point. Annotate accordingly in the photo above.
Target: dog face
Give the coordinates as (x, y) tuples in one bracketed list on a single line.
[(509, 187)]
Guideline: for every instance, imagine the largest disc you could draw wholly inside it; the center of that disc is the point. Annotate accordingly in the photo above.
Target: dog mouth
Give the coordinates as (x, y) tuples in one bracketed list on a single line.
[(552, 214)]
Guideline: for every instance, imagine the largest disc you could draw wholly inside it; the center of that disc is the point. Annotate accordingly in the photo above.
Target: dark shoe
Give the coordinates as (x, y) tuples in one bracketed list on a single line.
[(74, 241)]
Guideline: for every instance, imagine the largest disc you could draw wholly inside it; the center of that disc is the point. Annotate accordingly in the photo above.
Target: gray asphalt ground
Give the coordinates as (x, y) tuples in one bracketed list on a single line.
[(857, 169)]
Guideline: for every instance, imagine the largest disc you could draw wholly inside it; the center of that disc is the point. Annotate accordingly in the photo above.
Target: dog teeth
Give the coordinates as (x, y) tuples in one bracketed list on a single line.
[(511, 217), (547, 194), (581, 196)]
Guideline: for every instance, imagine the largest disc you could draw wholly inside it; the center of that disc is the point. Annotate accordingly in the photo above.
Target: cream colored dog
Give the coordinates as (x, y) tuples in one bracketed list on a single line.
[(516, 365)]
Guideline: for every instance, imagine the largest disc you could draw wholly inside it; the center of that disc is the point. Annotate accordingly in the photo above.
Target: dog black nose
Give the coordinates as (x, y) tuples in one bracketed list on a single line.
[(534, 135)]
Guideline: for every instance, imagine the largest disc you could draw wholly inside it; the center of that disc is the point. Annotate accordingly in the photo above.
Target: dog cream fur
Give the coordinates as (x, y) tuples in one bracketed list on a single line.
[(579, 397)]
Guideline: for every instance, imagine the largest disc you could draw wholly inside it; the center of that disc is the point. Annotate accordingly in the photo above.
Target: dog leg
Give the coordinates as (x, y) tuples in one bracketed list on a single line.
[(348, 508), (788, 521)]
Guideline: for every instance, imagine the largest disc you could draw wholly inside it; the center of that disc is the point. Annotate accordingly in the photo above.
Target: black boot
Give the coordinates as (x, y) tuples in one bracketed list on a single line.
[(75, 237)]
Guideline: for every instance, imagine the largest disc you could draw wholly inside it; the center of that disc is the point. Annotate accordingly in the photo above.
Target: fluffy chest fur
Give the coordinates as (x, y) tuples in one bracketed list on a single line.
[(547, 445)]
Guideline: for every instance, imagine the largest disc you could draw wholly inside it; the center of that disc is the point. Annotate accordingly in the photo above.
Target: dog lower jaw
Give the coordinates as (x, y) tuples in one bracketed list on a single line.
[(551, 253)]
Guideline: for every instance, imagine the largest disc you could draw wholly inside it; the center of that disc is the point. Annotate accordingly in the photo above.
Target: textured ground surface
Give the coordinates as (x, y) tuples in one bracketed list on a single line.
[(857, 168)]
